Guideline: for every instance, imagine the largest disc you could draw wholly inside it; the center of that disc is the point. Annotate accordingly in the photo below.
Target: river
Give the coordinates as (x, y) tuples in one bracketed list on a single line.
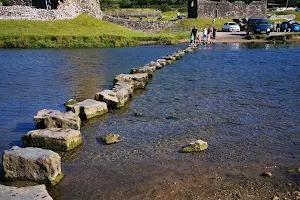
[(243, 99)]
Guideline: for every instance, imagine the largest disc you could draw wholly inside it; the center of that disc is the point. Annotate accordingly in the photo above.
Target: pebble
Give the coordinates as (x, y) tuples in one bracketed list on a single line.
[(275, 198)]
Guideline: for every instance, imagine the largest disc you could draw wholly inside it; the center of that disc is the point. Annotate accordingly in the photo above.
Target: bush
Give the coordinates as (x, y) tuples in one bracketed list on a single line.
[(183, 10), (165, 8), (4, 2)]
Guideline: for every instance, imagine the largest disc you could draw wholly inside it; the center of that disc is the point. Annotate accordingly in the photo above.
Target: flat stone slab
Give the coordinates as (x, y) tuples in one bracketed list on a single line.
[(145, 69), (196, 146), (88, 108), (137, 80), (32, 164), (53, 138), (37, 192), (118, 96), (56, 119)]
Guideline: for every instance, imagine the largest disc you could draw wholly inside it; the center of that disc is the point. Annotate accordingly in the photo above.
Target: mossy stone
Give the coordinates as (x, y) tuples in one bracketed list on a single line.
[(57, 179), (70, 102), (197, 146)]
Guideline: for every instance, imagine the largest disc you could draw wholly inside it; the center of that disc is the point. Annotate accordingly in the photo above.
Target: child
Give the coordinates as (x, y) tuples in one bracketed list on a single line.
[(192, 39)]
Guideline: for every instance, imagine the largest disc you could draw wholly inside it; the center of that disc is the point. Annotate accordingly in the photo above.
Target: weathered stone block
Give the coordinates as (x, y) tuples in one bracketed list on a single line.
[(137, 80), (88, 108), (56, 119), (53, 138), (32, 164), (145, 69), (162, 62), (198, 145), (37, 192)]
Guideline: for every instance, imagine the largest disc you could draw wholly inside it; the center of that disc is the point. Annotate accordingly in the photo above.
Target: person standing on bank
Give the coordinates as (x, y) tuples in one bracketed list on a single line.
[(214, 33), (194, 32)]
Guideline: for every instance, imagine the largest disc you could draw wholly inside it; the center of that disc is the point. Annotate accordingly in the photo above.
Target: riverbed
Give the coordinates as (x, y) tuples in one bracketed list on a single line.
[(243, 99)]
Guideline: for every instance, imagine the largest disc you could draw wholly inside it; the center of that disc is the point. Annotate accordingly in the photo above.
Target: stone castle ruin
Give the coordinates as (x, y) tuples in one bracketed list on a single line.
[(225, 9), (48, 9)]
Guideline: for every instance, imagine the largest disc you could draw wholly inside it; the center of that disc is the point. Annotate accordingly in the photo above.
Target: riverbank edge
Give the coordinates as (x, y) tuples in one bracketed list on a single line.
[(110, 41)]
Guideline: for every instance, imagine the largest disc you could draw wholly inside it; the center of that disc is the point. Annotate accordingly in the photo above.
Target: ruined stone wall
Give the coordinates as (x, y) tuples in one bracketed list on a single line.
[(21, 10), (238, 9), (29, 13), (145, 26)]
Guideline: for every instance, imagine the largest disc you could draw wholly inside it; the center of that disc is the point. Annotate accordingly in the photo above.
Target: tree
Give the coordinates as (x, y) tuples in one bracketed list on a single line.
[(109, 4)]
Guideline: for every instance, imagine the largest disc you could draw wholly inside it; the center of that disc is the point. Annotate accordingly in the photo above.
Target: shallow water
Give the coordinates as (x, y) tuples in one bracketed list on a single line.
[(244, 99)]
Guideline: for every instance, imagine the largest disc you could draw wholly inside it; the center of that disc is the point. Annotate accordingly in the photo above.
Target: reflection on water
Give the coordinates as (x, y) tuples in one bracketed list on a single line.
[(244, 99)]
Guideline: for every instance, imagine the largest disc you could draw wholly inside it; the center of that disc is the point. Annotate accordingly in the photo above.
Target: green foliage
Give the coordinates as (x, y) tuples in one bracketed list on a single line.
[(109, 4), (4, 2), (165, 8), (125, 4)]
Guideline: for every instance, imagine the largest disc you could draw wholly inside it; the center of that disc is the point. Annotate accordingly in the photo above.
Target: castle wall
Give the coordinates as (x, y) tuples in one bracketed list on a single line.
[(238, 9)]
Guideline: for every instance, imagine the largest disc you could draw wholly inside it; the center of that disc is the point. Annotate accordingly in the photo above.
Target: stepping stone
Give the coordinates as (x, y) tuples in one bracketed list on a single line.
[(56, 139), (37, 192), (118, 96), (145, 69), (196, 146), (88, 108), (32, 164), (137, 80), (56, 119)]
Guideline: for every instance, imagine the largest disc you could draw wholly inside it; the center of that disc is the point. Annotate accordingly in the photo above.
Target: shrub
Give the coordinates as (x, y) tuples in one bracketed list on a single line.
[(165, 8), (4, 2)]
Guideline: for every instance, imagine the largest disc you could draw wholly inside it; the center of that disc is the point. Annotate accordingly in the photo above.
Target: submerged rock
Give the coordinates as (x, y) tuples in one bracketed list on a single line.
[(37, 192), (111, 138), (32, 164), (53, 138), (196, 146), (88, 108), (56, 119)]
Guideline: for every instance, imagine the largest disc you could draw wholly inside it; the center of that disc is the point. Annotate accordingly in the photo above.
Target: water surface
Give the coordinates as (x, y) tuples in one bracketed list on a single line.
[(244, 99)]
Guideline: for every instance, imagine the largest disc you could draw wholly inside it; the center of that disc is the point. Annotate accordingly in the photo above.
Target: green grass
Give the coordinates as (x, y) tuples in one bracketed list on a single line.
[(84, 31), (83, 25), (133, 10)]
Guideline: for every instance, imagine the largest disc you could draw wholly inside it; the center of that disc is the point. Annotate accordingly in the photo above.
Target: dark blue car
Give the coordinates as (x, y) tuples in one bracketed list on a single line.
[(258, 25)]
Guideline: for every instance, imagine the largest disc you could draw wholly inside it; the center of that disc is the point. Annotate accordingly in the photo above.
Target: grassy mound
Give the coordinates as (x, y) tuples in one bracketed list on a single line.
[(83, 31)]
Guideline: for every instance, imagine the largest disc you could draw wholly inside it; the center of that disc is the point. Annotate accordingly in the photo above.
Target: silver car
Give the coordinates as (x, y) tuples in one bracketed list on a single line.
[(231, 26)]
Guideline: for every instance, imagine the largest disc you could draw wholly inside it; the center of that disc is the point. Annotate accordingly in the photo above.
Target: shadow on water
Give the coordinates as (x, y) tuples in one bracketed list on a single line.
[(23, 127)]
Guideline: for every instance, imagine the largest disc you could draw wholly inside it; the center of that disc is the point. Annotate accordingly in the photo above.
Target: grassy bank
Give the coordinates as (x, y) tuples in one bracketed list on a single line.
[(84, 31)]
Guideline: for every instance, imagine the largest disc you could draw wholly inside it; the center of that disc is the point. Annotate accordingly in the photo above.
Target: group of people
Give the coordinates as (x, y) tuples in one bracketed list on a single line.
[(207, 34)]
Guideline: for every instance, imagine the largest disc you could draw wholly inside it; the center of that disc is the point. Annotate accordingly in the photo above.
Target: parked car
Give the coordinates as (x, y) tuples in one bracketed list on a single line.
[(297, 9), (258, 25), (284, 26), (231, 26), (295, 27)]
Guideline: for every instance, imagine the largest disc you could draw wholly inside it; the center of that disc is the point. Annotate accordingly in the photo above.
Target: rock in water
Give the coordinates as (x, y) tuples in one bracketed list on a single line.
[(88, 108), (70, 102), (53, 138), (137, 80), (196, 146), (111, 138), (32, 164), (56, 119), (37, 192)]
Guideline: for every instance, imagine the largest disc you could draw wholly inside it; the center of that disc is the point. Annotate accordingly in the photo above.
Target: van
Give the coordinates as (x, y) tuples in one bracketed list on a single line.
[(258, 25)]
